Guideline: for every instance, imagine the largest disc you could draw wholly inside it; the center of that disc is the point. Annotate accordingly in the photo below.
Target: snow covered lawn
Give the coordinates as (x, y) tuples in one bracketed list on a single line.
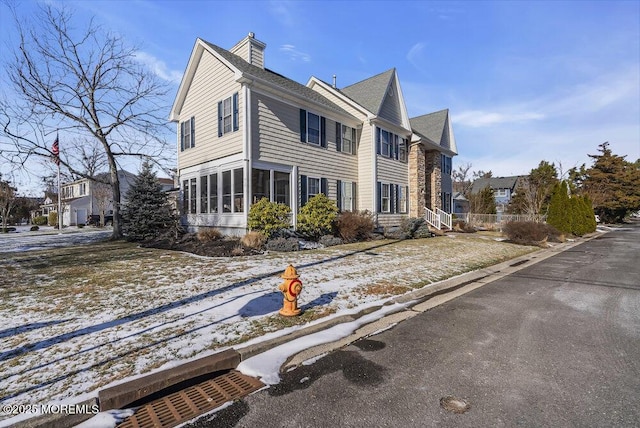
[(78, 318)]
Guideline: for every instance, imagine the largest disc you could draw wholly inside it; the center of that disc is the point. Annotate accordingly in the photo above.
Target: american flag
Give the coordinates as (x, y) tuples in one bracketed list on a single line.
[(55, 149)]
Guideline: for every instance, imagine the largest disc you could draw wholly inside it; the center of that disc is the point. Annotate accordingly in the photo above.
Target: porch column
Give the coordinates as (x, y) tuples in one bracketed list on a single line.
[(417, 180), (434, 179)]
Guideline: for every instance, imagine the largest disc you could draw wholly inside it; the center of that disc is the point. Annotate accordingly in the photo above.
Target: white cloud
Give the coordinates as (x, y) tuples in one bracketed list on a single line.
[(294, 54), (480, 118), (159, 68), (415, 54)]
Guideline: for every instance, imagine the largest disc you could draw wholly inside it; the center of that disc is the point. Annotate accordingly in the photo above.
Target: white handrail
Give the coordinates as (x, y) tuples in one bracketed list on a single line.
[(432, 218), (445, 218)]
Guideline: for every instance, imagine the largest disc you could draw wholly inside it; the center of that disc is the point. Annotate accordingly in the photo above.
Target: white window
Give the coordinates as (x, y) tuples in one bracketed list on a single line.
[(348, 139), (402, 199), (313, 128), (187, 134), (204, 194), (346, 196), (502, 193), (233, 191), (213, 193), (281, 187), (385, 143), (227, 115), (402, 150), (385, 197), (228, 118), (193, 201), (313, 187)]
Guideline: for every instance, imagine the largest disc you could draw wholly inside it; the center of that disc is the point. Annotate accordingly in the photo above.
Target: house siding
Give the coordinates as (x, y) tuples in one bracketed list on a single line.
[(390, 109), (366, 182), (213, 82), (276, 139)]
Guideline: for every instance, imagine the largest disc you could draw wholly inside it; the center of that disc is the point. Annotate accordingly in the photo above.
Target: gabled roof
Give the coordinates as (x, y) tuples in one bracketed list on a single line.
[(250, 71), (436, 127), (370, 93), (495, 183)]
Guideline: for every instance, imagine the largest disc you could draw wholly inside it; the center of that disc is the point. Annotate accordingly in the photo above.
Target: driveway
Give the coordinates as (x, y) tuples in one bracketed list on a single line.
[(556, 344), (47, 237)]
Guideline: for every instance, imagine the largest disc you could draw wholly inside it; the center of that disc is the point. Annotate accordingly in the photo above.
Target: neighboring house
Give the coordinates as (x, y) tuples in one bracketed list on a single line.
[(82, 198), (245, 132), (460, 203), (503, 189)]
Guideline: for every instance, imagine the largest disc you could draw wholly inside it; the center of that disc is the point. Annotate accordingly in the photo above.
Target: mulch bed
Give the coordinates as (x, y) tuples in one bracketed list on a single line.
[(189, 242)]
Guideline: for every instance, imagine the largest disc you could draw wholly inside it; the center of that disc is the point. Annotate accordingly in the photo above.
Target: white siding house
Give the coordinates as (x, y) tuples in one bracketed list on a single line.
[(245, 132)]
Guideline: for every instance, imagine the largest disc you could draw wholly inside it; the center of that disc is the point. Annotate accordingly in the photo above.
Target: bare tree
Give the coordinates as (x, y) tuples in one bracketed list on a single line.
[(462, 178), (7, 201), (85, 83), (103, 194)]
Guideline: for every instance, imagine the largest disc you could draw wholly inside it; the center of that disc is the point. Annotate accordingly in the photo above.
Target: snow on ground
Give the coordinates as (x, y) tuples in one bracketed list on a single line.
[(75, 325)]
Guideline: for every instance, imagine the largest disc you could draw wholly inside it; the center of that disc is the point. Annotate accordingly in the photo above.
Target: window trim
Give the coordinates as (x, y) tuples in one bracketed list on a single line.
[(187, 133), (233, 115), (387, 198)]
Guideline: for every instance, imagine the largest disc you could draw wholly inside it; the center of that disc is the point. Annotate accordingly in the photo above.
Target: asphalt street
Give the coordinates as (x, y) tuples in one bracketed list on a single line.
[(556, 344)]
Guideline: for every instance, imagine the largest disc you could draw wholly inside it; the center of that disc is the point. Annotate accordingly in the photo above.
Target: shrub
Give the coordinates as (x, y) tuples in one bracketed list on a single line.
[(394, 232), (34, 228), (283, 244), (53, 219), (354, 226), (462, 226), (254, 240), (317, 216), (268, 217), (410, 225), (40, 220), (531, 233), (422, 232), (330, 240), (209, 234)]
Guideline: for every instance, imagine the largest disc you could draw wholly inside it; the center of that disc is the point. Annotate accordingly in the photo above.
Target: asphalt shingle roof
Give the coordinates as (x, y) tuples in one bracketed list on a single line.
[(370, 93), (494, 183), (276, 79), (432, 126)]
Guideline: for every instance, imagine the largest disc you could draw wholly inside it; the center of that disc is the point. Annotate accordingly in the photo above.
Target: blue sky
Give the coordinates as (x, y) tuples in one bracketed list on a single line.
[(524, 81)]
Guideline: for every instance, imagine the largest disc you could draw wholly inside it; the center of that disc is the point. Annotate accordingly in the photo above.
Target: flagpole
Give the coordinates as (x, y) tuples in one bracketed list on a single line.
[(59, 201)]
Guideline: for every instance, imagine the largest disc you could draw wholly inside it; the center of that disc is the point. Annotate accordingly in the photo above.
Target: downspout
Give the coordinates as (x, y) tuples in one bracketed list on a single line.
[(374, 163)]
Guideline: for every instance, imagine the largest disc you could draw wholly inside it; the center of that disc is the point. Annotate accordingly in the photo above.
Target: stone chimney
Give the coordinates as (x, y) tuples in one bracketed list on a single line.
[(251, 50)]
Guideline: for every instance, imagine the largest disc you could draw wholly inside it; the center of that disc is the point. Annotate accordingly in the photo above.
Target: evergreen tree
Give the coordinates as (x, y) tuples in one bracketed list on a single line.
[(483, 202), (147, 212), (613, 184), (559, 208)]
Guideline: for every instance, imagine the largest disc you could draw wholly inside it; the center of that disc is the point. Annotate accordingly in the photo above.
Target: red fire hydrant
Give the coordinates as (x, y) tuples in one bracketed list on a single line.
[(291, 288)]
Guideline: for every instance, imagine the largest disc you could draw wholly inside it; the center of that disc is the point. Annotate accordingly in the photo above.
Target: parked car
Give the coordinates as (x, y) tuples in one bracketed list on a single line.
[(94, 220)]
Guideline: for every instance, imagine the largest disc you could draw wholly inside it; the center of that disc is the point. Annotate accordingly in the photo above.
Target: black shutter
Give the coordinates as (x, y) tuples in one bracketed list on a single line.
[(396, 149), (303, 125), (181, 136), (379, 197), (236, 125), (338, 137), (193, 131), (339, 195), (353, 195), (393, 193), (220, 130), (323, 132), (323, 186), (303, 190), (377, 140), (354, 140)]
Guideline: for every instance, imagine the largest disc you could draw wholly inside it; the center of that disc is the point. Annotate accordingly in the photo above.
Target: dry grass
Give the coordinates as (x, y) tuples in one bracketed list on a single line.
[(144, 307)]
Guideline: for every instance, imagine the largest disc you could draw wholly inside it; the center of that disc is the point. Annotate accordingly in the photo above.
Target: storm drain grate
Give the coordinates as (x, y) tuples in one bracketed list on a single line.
[(184, 405)]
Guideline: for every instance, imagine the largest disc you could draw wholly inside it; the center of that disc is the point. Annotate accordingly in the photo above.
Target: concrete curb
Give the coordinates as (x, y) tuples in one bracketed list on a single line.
[(417, 301)]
